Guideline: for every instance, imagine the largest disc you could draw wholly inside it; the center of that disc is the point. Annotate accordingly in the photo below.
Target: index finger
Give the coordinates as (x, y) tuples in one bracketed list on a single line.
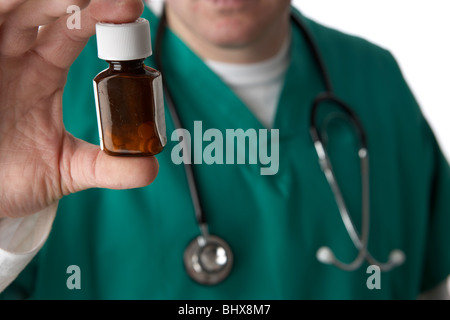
[(61, 46), (8, 6), (20, 28)]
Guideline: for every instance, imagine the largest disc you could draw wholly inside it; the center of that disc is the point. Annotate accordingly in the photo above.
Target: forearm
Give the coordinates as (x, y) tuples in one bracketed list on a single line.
[(20, 240)]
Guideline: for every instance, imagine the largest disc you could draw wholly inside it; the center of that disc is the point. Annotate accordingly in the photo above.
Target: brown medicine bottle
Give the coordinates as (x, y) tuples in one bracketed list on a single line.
[(128, 95)]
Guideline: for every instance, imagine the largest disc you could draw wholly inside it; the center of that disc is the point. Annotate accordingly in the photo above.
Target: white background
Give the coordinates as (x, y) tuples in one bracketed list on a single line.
[(417, 32)]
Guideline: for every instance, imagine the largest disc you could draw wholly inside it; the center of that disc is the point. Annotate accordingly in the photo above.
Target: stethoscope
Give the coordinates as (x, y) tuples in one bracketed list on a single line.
[(208, 259)]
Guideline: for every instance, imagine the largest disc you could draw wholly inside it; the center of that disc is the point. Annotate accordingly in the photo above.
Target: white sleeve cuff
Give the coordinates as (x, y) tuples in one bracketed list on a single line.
[(20, 241)]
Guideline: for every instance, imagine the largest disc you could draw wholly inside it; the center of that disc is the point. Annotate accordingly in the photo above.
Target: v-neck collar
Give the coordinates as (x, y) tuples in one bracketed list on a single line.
[(201, 95), (209, 97), (302, 84)]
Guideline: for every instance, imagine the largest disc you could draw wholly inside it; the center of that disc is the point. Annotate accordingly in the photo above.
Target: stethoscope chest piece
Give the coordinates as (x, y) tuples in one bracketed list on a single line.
[(208, 259)]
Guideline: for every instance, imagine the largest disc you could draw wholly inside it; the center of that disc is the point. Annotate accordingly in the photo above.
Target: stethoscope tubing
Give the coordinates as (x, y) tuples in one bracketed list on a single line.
[(324, 254), (200, 216)]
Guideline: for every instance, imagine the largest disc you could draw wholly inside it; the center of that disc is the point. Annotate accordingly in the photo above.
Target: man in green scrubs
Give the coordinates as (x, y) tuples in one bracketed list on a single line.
[(129, 244)]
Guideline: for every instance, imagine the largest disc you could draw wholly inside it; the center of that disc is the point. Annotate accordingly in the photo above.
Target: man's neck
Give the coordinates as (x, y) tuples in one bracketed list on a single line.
[(266, 47)]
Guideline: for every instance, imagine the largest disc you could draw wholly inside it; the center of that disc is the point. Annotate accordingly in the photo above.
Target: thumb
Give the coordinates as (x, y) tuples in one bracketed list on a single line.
[(87, 166)]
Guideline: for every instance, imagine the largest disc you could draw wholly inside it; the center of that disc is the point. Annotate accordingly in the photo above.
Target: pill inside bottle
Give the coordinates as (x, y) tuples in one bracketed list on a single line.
[(129, 94)]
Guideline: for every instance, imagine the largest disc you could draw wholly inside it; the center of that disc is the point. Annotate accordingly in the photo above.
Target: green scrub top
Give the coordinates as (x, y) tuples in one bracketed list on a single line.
[(129, 244)]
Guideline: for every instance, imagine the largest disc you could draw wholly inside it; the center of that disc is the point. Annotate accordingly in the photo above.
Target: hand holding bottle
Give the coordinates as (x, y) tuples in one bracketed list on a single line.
[(39, 160)]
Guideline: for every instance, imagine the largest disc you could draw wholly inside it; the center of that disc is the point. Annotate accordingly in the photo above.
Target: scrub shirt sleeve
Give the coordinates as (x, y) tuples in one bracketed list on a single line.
[(437, 258), (423, 149), (20, 241)]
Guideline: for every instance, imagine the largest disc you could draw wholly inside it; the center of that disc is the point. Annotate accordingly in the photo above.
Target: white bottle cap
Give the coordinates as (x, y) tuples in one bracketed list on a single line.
[(124, 42)]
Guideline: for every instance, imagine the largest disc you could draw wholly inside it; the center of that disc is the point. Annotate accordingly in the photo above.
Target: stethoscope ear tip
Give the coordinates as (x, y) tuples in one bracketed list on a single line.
[(397, 257), (325, 255)]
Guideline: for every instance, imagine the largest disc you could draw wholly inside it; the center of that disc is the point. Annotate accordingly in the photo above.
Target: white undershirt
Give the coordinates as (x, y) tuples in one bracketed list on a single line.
[(259, 84)]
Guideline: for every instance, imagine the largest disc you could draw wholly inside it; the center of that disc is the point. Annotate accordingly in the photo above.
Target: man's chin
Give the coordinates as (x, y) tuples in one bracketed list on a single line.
[(231, 42), (228, 5), (229, 35)]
